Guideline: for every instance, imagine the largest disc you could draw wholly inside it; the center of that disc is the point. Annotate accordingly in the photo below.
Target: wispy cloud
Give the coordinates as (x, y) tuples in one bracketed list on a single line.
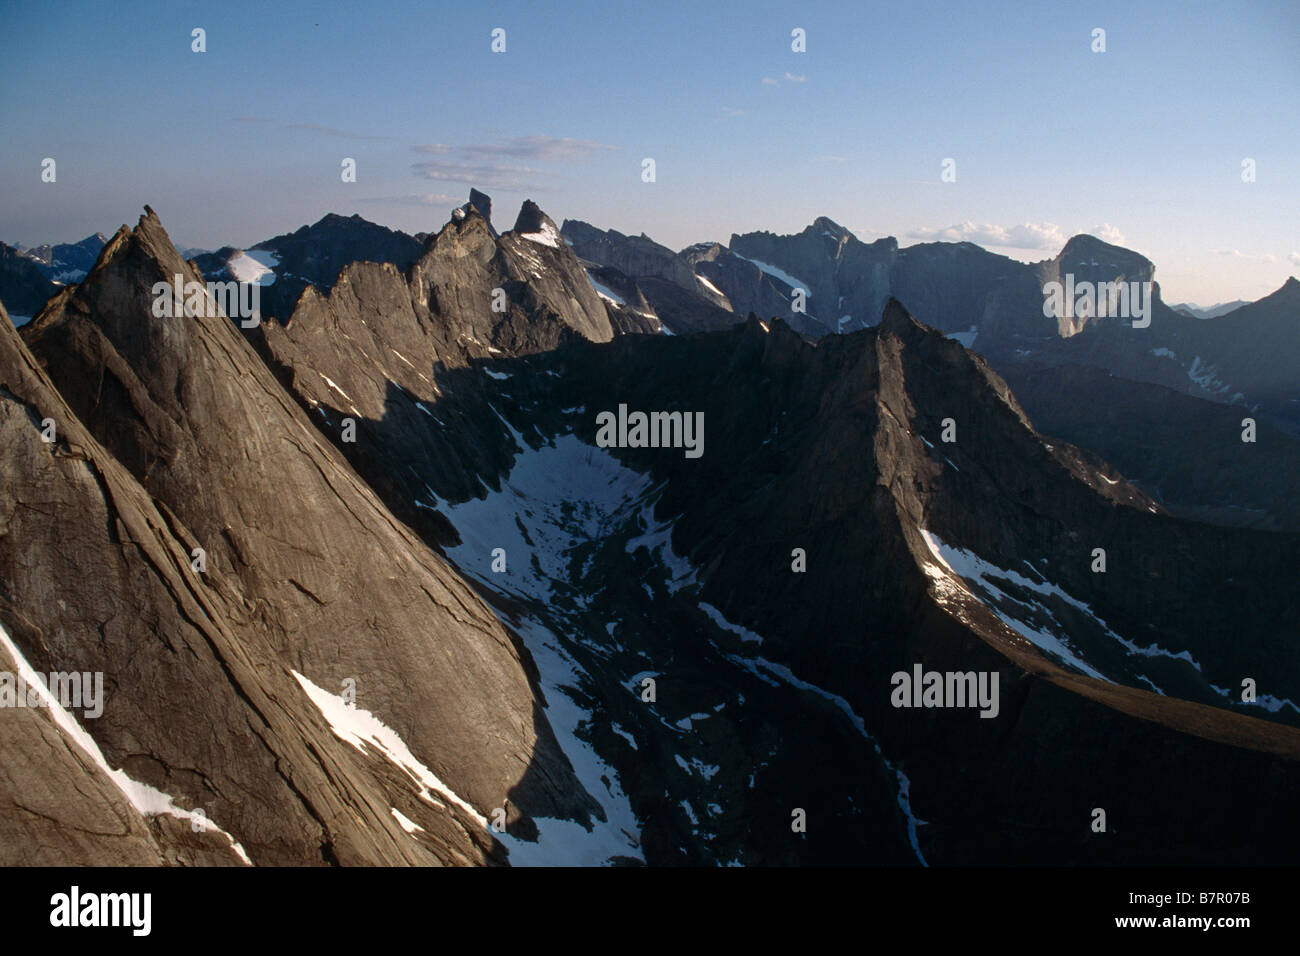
[(787, 77), (502, 164), (536, 148), (1107, 233), (1043, 236), (1027, 235), (485, 175), (412, 199), (1294, 258), (867, 235)]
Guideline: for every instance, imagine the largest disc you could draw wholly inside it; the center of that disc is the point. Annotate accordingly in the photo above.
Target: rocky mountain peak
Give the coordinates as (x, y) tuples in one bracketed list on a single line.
[(531, 219), (897, 319), (1284, 300), (824, 225), (1088, 251), (466, 220), (481, 202)]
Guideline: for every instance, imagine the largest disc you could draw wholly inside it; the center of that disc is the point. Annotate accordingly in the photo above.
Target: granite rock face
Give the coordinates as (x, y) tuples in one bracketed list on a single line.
[(665, 281), (312, 567), (638, 256), (98, 577), (749, 288), (389, 351), (483, 203), (313, 256), (847, 279)]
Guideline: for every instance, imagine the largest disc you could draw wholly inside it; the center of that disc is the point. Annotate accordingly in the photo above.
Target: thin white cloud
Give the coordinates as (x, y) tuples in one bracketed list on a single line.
[(537, 148), (867, 235), (1027, 235), (484, 175), (501, 164), (1037, 236), (1108, 233), (412, 199)]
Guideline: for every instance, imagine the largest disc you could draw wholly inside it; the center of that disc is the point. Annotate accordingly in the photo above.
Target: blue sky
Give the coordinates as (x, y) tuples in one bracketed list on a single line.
[(1141, 144)]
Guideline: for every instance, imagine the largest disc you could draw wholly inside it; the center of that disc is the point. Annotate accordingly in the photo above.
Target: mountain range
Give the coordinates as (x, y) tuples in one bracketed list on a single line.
[(366, 586)]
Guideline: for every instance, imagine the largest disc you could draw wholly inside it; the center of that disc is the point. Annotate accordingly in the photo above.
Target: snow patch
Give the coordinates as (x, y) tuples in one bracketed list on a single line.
[(546, 236), (410, 826), (145, 799), (777, 273), (969, 567), (709, 285), (564, 495), (330, 382), (362, 730), (967, 339), (253, 266), (605, 292), (716, 617), (1203, 375)]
